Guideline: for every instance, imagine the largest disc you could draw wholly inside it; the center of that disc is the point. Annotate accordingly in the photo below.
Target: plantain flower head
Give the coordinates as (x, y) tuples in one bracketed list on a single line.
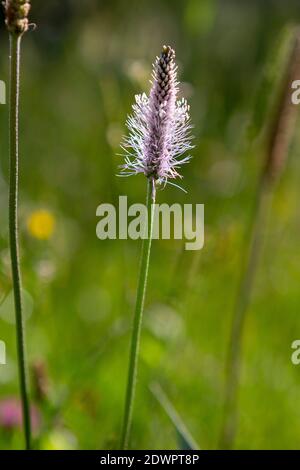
[(16, 15), (159, 127)]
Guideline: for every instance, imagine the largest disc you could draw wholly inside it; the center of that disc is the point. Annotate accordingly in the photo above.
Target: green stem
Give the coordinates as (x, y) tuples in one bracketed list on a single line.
[(15, 43), (249, 268), (137, 322)]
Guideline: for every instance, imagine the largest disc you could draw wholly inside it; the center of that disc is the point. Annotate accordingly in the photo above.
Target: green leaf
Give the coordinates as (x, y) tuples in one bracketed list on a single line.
[(185, 439)]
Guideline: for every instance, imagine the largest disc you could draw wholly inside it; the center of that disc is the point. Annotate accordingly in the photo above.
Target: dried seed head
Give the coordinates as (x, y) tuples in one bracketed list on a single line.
[(159, 128), (40, 383), (284, 121), (16, 15)]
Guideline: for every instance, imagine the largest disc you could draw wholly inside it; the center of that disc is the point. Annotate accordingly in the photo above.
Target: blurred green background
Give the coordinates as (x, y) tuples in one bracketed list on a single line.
[(81, 68)]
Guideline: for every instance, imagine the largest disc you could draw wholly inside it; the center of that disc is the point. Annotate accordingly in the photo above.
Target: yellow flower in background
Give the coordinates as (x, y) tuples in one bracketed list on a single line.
[(41, 224)]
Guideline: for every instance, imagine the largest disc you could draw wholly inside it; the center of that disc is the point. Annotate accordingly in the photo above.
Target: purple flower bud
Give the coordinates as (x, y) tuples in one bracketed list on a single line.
[(159, 128), (11, 415)]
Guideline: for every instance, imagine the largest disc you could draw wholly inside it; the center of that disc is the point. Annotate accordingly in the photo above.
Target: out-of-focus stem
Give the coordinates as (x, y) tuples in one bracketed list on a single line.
[(138, 316), (249, 267), (280, 134)]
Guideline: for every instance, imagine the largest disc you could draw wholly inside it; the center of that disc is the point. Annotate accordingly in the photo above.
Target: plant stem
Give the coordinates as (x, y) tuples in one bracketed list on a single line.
[(249, 268), (15, 43), (137, 322)]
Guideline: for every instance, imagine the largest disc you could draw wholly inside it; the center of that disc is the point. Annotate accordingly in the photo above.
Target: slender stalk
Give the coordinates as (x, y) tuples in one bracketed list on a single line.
[(249, 267), (15, 43), (280, 134), (138, 316)]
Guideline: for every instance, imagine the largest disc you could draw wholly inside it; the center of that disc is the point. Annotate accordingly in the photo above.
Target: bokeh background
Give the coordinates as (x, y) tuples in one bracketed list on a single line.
[(80, 70)]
